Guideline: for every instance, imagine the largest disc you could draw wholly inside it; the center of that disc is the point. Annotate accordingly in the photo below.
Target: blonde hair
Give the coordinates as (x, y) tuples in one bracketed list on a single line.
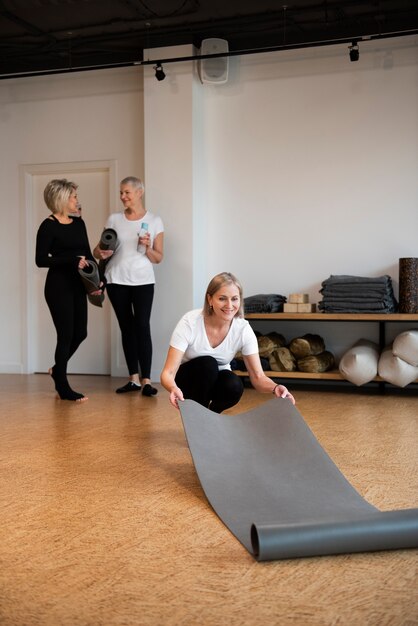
[(218, 281), (57, 193)]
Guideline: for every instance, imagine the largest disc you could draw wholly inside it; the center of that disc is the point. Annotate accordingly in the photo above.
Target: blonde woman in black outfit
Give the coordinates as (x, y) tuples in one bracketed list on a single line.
[(62, 246)]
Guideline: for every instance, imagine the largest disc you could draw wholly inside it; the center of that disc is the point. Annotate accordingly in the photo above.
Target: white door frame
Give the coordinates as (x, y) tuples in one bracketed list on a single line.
[(27, 244)]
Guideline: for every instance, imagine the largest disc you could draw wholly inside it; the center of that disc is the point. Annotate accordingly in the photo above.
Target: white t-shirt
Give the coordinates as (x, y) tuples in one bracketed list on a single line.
[(127, 266), (189, 336)]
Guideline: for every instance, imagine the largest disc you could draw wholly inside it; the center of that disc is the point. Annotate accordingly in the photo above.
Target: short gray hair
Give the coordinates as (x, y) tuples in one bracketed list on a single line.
[(134, 181)]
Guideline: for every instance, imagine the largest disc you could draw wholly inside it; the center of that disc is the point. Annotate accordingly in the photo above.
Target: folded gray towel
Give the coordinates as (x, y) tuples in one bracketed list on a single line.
[(357, 294), (355, 280), (348, 307), (264, 303), (358, 290)]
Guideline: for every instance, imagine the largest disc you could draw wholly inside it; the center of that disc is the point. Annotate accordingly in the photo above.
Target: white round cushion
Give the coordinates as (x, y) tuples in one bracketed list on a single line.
[(359, 363), (405, 346), (395, 370)]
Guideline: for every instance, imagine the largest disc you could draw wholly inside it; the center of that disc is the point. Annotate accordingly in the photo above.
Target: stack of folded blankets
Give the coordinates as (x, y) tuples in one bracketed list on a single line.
[(357, 294), (264, 303)]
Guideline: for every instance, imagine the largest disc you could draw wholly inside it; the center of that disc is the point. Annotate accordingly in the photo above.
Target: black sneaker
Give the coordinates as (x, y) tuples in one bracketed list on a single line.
[(129, 387), (148, 390)]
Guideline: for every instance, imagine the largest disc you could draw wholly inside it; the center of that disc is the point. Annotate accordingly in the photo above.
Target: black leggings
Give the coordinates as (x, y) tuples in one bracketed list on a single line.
[(132, 306), (201, 380), (67, 302)]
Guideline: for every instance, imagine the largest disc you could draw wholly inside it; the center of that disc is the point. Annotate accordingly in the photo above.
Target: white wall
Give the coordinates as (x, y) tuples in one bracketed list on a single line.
[(301, 166), (312, 166)]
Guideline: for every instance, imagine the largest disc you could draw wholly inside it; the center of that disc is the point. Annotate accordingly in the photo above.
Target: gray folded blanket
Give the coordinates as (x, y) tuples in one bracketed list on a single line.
[(264, 303), (357, 294), (90, 277), (348, 308), (343, 279), (361, 291)]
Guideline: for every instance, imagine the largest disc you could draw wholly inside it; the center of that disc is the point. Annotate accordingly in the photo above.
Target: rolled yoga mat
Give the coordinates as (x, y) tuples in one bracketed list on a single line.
[(408, 285), (108, 241), (276, 489), (91, 280)]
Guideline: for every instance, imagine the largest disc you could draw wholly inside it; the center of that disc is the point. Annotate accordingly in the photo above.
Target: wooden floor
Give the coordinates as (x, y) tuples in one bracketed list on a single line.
[(104, 523)]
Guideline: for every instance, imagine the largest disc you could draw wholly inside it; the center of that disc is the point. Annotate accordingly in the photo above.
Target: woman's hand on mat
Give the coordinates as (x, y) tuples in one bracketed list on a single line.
[(104, 254), (176, 395), (98, 292), (82, 263), (280, 391)]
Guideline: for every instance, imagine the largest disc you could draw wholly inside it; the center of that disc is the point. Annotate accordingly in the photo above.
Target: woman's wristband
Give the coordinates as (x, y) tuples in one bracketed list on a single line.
[(274, 390)]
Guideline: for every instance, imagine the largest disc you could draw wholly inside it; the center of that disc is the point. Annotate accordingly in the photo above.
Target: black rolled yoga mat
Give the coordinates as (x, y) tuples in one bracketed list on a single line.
[(277, 490), (108, 241), (91, 280)]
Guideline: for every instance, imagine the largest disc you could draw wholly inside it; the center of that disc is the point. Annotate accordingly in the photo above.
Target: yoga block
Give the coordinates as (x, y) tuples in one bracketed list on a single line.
[(408, 285), (290, 307), (298, 298), (306, 308)]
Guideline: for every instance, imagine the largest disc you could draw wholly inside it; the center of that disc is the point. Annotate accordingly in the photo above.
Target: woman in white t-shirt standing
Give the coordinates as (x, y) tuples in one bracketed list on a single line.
[(203, 345), (130, 280)]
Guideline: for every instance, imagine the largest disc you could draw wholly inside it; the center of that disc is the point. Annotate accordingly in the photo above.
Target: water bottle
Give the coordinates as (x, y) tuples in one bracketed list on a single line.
[(143, 231)]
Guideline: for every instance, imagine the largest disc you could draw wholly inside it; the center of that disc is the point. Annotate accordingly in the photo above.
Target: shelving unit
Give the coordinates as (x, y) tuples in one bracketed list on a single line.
[(382, 319)]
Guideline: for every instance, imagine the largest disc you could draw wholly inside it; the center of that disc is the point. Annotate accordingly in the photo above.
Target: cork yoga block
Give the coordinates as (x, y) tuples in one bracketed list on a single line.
[(408, 285)]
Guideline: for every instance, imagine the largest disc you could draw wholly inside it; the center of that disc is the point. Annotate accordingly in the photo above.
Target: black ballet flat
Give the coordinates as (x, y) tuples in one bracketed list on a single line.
[(130, 386), (69, 394), (148, 390)]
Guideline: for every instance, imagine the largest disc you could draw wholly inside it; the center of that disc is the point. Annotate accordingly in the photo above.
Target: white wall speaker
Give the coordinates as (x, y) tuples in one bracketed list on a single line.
[(214, 71)]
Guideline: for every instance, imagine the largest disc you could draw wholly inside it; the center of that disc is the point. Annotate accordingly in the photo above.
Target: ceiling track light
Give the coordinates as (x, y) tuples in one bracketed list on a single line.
[(354, 51), (159, 72)]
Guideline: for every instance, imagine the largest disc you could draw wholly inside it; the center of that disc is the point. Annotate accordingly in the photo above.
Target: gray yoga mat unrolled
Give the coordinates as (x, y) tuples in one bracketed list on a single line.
[(91, 280), (277, 490)]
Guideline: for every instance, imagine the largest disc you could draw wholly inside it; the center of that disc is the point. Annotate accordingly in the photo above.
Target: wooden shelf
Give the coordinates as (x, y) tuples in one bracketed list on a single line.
[(331, 375), (336, 317), (381, 318)]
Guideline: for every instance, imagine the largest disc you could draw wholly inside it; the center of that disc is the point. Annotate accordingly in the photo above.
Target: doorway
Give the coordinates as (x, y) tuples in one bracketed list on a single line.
[(96, 182)]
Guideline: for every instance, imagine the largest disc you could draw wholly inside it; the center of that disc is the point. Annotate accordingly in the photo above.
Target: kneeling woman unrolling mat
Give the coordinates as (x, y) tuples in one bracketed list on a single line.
[(277, 490)]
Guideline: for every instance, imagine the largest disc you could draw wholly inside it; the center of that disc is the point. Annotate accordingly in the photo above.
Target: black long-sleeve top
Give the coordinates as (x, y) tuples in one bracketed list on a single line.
[(59, 246)]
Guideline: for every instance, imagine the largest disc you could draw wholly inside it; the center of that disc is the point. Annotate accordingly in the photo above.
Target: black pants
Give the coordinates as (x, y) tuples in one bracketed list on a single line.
[(67, 302), (201, 380), (132, 306)]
